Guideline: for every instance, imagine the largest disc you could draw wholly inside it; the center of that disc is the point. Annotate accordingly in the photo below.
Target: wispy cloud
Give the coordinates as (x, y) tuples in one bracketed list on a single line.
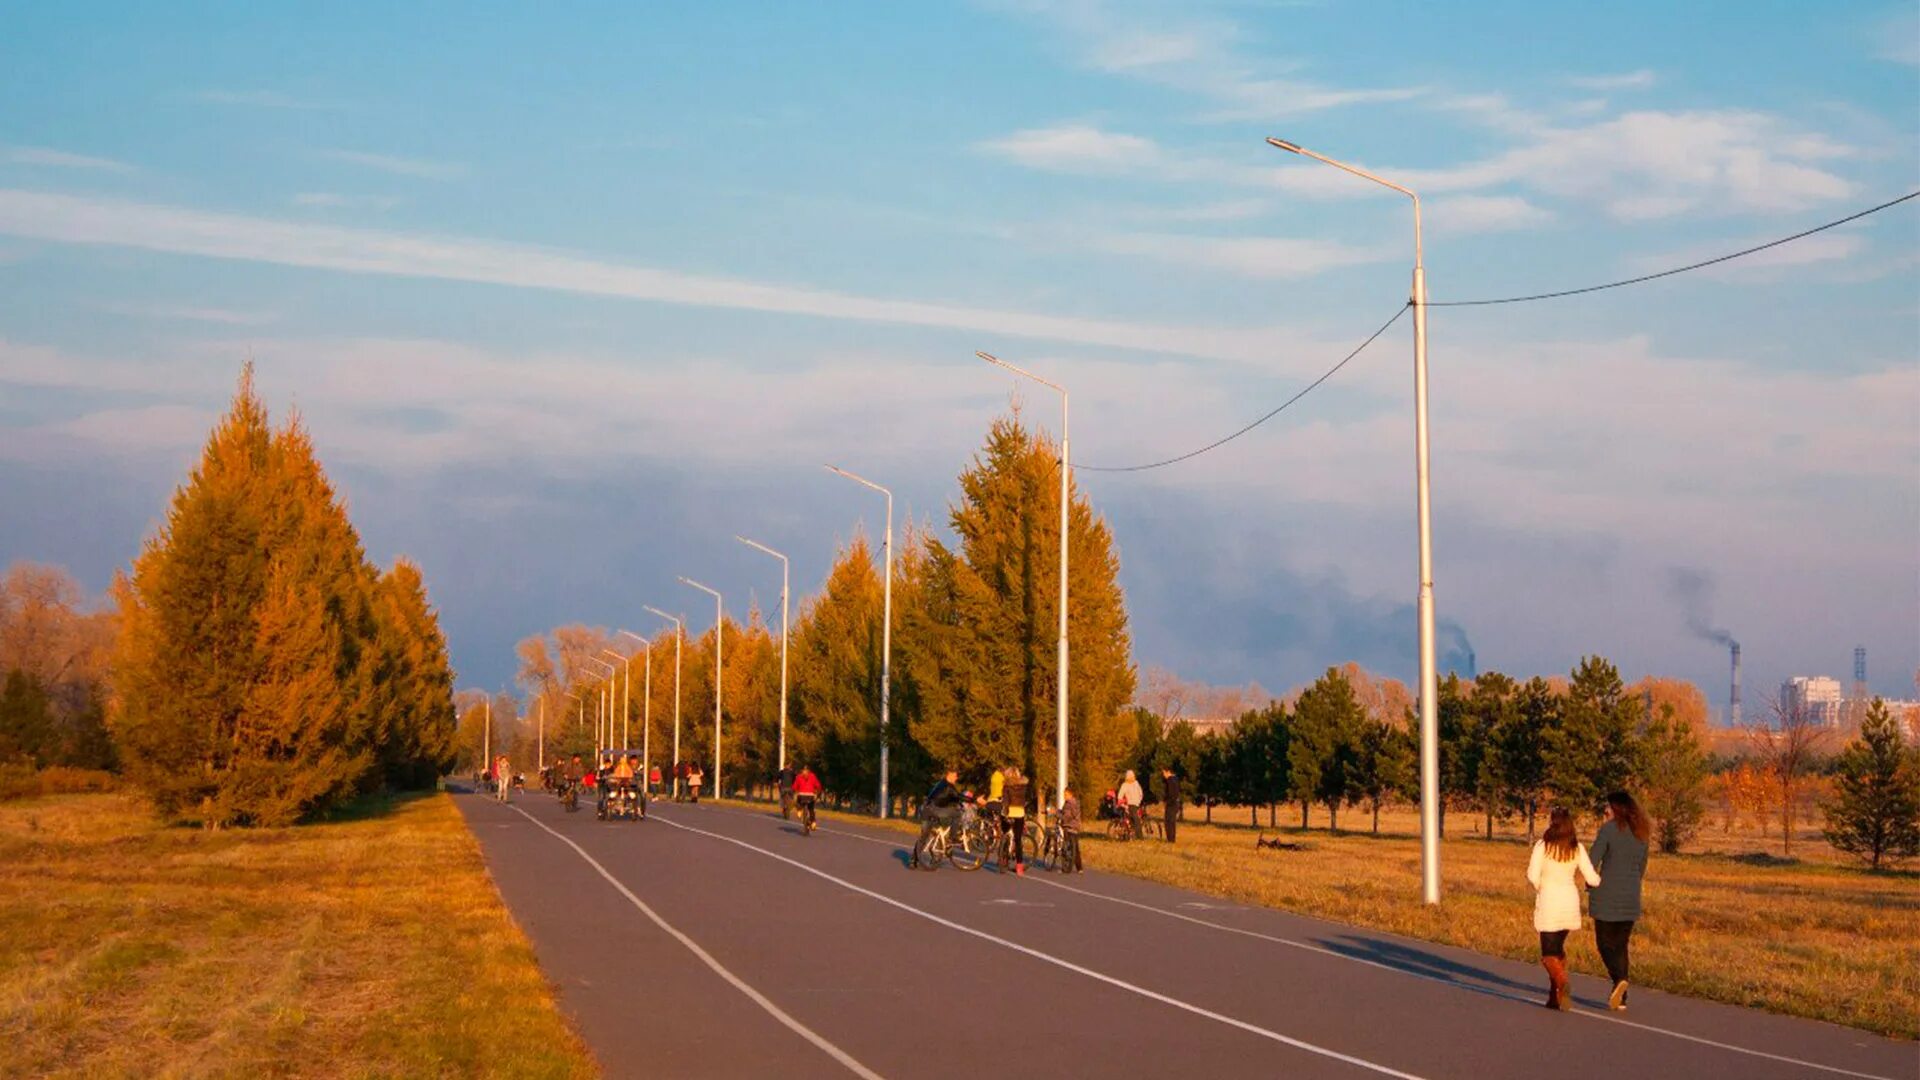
[(1076, 148), (1205, 56), (1629, 80), (220, 316), (61, 159), (419, 168), (1462, 214), (260, 99), (333, 200), (1898, 38), (84, 220), (1256, 256)]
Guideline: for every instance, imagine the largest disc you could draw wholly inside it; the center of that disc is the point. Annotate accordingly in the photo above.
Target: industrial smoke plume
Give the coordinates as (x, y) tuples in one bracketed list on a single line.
[(1693, 589)]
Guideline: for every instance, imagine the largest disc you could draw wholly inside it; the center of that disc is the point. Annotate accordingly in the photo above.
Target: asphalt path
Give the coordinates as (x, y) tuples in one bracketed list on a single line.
[(712, 941)]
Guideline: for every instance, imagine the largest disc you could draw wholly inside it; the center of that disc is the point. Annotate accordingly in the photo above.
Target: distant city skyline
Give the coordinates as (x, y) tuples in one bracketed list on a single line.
[(568, 299)]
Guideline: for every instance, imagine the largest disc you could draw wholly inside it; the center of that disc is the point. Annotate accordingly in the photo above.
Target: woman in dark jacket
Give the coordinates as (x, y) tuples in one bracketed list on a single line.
[(1619, 852)]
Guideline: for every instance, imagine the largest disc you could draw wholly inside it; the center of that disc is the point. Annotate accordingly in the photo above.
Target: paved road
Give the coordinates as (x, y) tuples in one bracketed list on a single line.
[(719, 942)]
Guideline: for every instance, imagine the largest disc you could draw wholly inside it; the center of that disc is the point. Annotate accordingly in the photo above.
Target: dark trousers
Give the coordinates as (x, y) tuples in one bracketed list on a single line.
[(1553, 943), (1611, 939), (1016, 831), (1173, 821), (1070, 850)]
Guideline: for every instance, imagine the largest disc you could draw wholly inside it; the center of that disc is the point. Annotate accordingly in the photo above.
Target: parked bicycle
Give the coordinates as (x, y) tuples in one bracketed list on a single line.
[(964, 844)]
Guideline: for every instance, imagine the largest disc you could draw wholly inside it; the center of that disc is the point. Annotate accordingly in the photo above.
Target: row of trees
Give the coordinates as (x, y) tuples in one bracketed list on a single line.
[(263, 670), (1506, 749), (973, 651), (53, 664)]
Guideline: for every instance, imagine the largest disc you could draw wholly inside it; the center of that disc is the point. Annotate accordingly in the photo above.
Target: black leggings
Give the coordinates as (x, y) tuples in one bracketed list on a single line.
[(1611, 939), (1553, 943), (1016, 830)]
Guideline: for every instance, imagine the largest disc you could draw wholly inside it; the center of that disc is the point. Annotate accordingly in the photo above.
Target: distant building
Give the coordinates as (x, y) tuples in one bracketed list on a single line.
[(1815, 697)]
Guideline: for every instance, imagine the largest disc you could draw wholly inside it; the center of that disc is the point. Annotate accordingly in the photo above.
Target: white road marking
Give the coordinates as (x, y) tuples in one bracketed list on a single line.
[(1069, 965), (1443, 981), (706, 958)]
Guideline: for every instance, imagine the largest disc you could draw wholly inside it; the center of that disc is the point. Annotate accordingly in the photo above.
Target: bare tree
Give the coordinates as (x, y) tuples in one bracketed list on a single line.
[(1790, 746)]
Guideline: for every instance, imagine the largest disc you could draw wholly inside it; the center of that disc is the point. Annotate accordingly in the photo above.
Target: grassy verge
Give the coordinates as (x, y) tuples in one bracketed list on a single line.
[(373, 946), (1806, 939)]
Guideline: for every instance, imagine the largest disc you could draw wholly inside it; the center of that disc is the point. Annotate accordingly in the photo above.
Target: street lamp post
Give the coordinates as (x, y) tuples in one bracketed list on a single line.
[(1429, 708), (719, 638), (886, 628), (543, 733), (601, 735), (783, 640), (1066, 473), (626, 698), (679, 634), (646, 703)]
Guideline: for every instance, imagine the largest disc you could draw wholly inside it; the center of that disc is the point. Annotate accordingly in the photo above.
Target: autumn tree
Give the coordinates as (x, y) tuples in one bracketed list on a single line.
[(1874, 812), (53, 658), (834, 700), (1673, 777), (1788, 748)]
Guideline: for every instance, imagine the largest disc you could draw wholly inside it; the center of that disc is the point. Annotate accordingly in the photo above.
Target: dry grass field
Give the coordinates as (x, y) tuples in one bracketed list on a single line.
[(1808, 938), (373, 946)]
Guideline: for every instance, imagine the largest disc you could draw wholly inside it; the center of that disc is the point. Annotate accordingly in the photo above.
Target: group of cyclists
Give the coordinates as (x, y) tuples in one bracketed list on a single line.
[(993, 824), (619, 785)]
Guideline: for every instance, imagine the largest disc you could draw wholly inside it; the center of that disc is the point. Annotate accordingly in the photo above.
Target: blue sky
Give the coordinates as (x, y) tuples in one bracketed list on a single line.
[(568, 298)]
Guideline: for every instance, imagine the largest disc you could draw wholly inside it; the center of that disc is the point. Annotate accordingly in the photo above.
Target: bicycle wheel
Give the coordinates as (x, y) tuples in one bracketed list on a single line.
[(968, 849), (1117, 829), (1030, 846)]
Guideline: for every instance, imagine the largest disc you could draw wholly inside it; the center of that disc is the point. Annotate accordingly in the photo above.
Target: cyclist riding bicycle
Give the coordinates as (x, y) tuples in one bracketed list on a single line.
[(806, 789), (940, 810)]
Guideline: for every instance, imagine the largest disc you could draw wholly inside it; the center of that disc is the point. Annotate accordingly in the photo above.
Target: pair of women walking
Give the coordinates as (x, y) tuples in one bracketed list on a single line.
[(1614, 871)]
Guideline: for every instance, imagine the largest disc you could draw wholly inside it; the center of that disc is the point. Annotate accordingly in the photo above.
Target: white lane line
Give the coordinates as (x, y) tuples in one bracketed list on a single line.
[(1441, 980), (1056, 961), (706, 958)]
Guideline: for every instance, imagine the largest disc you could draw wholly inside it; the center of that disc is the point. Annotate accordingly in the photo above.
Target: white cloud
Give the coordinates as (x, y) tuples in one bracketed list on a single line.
[(1461, 214), (418, 168), (332, 200), (83, 220), (1206, 57), (221, 316), (1076, 148), (1899, 38), (1629, 80), (61, 159), (1822, 248), (1256, 256)]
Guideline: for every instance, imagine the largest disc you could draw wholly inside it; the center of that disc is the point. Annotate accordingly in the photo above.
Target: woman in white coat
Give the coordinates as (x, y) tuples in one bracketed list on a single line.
[(1557, 858)]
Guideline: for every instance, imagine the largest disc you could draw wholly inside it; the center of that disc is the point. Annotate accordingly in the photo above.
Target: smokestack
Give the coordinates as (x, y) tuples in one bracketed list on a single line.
[(1473, 666), (1733, 700)]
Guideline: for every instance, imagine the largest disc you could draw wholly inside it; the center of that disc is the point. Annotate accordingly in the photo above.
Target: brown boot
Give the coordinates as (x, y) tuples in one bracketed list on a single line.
[(1558, 996)]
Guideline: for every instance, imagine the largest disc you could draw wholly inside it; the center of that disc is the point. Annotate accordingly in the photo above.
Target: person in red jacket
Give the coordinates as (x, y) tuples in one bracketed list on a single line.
[(806, 789)]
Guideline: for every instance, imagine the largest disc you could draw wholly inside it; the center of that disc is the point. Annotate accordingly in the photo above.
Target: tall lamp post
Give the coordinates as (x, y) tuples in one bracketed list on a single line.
[(601, 737), (679, 634), (626, 697), (542, 738), (886, 628), (1429, 708), (1066, 474), (755, 544), (719, 638), (646, 703)]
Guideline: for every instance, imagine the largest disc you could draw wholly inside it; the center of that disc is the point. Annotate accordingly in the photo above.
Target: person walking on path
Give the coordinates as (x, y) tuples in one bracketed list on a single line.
[(1015, 810), (1170, 800), (1130, 799), (1558, 858), (695, 777), (1620, 854), (784, 780), (1070, 833), (503, 779)]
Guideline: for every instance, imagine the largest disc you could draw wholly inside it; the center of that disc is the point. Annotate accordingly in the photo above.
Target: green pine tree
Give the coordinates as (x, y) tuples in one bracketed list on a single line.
[(1597, 746), (1874, 813), (834, 675), (1324, 747), (1673, 779)]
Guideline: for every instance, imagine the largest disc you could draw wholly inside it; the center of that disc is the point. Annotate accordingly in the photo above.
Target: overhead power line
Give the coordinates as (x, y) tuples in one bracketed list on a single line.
[(1282, 407), (1679, 269), (1330, 372)]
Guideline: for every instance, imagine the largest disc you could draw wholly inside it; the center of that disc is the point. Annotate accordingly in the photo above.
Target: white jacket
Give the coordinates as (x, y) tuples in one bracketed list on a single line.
[(1556, 902), (1130, 793)]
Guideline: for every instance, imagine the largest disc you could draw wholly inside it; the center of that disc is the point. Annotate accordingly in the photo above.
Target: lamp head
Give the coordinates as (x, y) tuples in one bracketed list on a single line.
[(1292, 148)]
